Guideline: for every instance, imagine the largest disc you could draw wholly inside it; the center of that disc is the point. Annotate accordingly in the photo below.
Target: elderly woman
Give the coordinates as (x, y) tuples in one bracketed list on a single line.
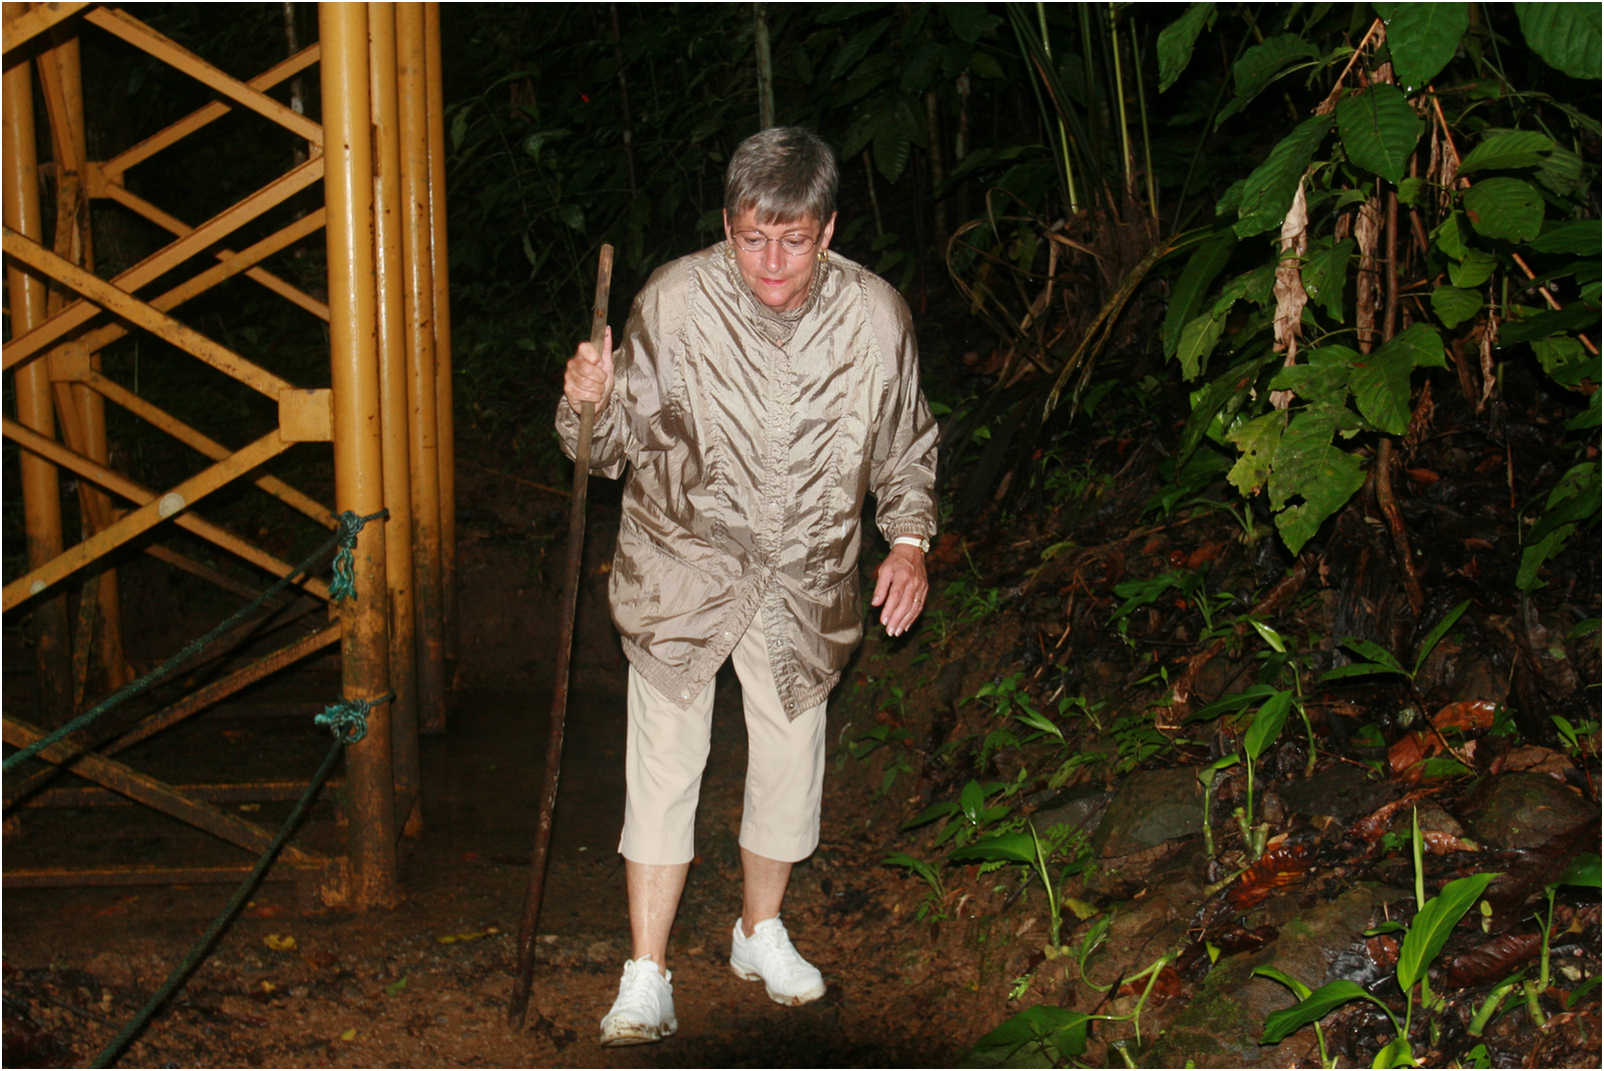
[(763, 387)]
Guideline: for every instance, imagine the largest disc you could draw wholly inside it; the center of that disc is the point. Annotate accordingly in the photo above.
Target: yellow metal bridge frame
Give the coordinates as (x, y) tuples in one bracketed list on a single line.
[(378, 152)]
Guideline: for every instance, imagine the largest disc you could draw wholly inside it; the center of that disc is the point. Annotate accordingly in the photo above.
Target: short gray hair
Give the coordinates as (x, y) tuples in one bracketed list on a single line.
[(782, 174)]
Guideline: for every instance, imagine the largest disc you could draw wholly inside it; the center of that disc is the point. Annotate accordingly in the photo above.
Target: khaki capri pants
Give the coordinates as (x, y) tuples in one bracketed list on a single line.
[(666, 751)]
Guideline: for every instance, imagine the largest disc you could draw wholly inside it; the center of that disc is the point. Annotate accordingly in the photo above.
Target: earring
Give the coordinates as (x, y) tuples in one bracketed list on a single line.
[(823, 254)]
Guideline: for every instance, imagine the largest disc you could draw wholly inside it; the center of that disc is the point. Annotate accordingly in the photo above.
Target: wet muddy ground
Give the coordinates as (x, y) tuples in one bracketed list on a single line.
[(427, 984)]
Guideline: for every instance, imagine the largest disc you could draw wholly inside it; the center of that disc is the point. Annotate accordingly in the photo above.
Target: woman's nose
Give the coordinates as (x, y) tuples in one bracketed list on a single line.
[(774, 256)]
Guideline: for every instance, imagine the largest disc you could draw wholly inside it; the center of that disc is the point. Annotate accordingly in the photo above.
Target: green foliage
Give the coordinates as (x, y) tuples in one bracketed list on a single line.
[(934, 903), (1303, 434), (1566, 36), (1423, 939), (1381, 660), (1573, 501), (1039, 1036)]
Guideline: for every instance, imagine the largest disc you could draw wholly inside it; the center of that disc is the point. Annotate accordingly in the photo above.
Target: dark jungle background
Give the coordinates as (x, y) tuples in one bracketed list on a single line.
[(1264, 341)]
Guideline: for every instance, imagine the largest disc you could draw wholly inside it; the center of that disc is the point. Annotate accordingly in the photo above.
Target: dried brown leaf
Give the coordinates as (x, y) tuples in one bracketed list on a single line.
[(1280, 866), (1408, 752), (1469, 715), (1534, 759), (1493, 959), (1372, 826)]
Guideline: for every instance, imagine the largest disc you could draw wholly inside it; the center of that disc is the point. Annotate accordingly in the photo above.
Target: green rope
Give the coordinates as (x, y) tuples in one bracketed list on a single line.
[(237, 901), (343, 584), (349, 723), (350, 524)]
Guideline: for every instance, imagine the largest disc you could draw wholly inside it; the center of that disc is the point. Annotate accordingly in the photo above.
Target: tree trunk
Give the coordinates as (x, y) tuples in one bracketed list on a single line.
[(765, 66)]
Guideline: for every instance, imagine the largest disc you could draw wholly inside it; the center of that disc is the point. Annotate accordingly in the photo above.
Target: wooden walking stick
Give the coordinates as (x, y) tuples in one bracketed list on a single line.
[(565, 643)]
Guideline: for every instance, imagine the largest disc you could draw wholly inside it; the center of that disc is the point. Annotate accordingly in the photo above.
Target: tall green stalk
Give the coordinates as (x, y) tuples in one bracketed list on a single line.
[(1119, 98), (1063, 135)]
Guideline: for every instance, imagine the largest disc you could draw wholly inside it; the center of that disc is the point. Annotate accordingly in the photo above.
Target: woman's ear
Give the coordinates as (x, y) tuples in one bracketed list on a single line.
[(827, 233)]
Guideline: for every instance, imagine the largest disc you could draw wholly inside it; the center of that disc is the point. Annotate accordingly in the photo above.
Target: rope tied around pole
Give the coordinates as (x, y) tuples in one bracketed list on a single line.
[(343, 584), (345, 537), (348, 720)]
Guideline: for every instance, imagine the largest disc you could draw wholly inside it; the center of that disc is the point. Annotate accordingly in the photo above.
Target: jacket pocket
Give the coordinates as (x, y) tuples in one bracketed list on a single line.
[(661, 602)]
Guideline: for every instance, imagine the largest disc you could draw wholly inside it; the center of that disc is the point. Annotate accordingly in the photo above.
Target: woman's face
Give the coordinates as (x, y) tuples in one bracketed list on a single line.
[(779, 279)]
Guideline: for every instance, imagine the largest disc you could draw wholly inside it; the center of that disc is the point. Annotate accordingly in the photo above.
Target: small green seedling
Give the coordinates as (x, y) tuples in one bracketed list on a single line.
[(1423, 939)]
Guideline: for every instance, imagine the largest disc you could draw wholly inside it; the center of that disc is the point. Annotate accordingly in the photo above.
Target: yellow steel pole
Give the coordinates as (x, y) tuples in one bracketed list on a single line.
[(358, 477), (390, 277), (441, 275), (60, 68), (41, 488), (412, 98)]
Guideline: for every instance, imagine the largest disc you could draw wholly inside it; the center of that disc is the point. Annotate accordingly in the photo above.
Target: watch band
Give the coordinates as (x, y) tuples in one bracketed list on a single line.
[(913, 541)]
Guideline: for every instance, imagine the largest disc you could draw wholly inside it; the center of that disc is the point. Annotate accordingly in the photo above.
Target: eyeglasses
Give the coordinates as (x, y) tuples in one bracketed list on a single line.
[(795, 245)]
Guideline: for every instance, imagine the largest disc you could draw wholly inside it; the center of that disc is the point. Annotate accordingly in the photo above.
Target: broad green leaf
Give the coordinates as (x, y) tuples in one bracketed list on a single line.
[(1267, 61), (1379, 130), (1267, 724), (917, 866), (1506, 150), (1564, 358), (1580, 237), (1354, 669), (1505, 208), (1218, 402), (1450, 238), (1474, 269), (1535, 325), (1322, 379), (1299, 990), (1231, 199), (1422, 39), (1561, 172), (1202, 268), (1376, 653), (1381, 380), (1307, 466), (1202, 333), (1038, 721), (1574, 498), (970, 22), (1175, 43), (1311, 1009), (972, 800), (1325, 274), (1231, 702), (1025, 1038), (1566, 36), (1257, 441), (1395, 1053), (1454, 306), (1011, 847), (1438, 631), (1269, 635), (944, 809), (1267, 192), (1197, 341), (1432, 924)]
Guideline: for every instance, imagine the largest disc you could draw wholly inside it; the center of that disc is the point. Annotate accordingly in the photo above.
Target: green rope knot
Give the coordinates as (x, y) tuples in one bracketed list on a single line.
[(348, 721), (343, 586)]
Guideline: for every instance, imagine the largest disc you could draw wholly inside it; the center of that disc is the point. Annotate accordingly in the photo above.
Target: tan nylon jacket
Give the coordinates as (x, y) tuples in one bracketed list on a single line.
[(751, 438)]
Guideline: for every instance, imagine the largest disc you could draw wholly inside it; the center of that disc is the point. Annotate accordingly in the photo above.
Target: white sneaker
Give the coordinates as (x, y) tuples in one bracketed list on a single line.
[(769, 957), (644, 1010)]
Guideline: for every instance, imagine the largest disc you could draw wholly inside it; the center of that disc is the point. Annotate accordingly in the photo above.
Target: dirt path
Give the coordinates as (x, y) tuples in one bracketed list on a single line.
[(427, 984)]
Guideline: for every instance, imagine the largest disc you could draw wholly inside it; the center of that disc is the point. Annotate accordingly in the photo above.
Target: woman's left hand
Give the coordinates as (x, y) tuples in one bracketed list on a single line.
[(900, 588)]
